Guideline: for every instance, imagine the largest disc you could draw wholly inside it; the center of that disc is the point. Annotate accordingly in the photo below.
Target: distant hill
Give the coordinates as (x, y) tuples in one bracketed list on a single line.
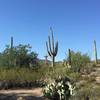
[(43, 61)]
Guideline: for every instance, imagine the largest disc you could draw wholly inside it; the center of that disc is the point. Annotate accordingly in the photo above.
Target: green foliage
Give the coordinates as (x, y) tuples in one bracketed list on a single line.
[(79, 61), (20, 55), (88, 91), (19, 74), (44, 72), (25, 57), (59, 70), (20, 78)]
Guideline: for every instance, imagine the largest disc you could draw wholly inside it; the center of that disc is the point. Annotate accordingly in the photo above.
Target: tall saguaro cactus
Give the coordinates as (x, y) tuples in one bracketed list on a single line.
[(11, 59), (69, 57), (95, 52), (11, 42), (51, 48)]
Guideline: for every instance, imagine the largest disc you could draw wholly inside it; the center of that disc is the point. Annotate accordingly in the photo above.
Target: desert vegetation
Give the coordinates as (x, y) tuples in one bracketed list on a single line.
[(20, 67)]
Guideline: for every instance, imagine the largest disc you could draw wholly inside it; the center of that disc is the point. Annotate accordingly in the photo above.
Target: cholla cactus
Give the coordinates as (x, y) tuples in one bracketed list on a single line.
[(51, 48), (60, 89), (95, 52)]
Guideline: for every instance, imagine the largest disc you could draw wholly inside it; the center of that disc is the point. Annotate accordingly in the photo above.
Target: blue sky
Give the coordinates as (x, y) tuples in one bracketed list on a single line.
[(75, 24)]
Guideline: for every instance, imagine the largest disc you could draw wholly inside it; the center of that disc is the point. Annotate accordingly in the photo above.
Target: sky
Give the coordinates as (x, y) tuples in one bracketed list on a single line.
[(75, 24)]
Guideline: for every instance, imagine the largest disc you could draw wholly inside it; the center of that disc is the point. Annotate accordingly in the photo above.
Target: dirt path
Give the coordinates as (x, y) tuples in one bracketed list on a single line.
[(34, 92), (22, 94)]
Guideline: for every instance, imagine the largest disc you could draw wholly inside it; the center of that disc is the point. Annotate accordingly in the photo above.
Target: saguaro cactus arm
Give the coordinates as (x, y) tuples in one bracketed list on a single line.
[(56, 48), (48, 49), (50, 44), (52, 41)]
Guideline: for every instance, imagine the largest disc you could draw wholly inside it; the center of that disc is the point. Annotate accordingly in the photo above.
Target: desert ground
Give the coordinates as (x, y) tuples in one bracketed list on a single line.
[(21, 94)]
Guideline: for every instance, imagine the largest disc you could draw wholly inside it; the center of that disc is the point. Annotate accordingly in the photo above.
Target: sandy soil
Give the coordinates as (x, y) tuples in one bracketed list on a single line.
[(21, 94), (35, 92)]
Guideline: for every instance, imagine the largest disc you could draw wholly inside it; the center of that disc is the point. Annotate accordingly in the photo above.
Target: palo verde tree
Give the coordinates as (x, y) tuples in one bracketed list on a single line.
[(25, 57), (51, 48)]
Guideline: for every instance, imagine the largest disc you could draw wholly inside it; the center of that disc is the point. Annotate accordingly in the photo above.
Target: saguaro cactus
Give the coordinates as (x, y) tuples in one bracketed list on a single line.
[(11, 42), (11, 59), (95, 52), (51, 48), (69, 57)]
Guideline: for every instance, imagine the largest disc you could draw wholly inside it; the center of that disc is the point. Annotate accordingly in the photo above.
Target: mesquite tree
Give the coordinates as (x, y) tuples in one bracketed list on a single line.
[(51, 48)]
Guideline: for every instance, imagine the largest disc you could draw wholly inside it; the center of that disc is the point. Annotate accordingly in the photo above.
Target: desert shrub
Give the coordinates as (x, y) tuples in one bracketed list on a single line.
[(74, 76), (60, 70), (79, 61), (88, 91), (20, 77), (88, 68), (20, 55)]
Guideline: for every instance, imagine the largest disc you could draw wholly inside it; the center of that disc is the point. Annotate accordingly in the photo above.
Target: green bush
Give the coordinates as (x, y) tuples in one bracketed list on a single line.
[(89, 91), (79, 61), (21, 77), (20, 55)]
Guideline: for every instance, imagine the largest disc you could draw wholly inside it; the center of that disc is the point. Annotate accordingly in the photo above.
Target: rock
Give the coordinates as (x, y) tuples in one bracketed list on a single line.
[(93, 74), (97, 80)]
